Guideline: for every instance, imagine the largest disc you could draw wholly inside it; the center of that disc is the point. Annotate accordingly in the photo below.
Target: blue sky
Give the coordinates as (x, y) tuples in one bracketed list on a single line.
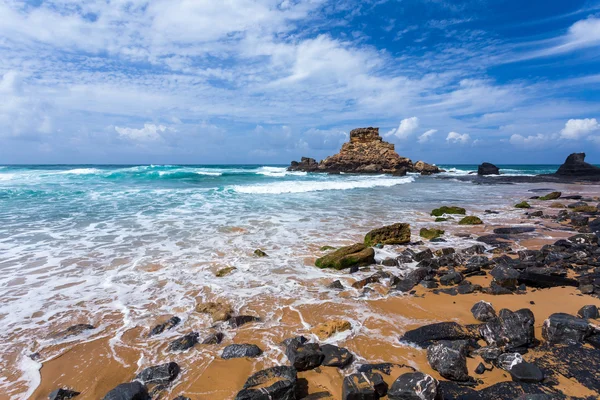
[(268, 81)]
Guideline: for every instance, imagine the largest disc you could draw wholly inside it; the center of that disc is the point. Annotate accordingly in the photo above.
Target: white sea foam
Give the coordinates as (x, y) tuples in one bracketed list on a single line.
[(317, 186), (278, 172), (81, 171)]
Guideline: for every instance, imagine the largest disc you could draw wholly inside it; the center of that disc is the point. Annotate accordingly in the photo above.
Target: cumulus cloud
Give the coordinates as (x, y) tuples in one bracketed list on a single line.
[(538, 140), (149, 132), (579, 128), (424, 138), (455, 137), (407, 127)]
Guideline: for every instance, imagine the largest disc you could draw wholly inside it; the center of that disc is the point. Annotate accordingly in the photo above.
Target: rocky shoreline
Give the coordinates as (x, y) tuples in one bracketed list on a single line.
[(507, 352)]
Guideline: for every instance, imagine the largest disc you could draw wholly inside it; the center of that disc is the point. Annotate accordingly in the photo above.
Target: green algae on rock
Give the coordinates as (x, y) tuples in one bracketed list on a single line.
[(438, 212), (431, 233), (523, 204), (327, 248), (260, 253), (551, 196), (470, 220), (348, 256), (225, 271), (391, 234)]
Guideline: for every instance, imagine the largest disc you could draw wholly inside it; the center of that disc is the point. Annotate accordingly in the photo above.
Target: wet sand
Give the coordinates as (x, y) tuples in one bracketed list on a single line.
[(101, 363)]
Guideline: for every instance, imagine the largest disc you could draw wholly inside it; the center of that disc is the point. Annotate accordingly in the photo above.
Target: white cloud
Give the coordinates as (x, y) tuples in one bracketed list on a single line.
[(455, 137), (426, 136), (578, 128), (149, 132), (538, 140), (407, 127)]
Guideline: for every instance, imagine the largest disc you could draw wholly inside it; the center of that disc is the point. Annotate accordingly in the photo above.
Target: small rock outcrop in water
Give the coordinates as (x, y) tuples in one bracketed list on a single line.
[(272, 383), (392, 234), (488, 169), (62, 394), (128, 391), (575, 165), (366, 153)]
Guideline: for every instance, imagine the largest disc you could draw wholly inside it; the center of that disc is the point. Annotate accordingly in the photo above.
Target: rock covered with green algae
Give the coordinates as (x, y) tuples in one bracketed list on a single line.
[(522, 204), (438, 212), (551, 196), (260, 253), (470, 220), (349, 256), (431, 233), (391, 234)]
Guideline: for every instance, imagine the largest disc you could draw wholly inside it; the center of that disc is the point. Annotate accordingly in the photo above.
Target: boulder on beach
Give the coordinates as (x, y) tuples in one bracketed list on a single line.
[(391, 234), (551, 196), (185, 342), (365, 385), (449, 359), (349, 256), (431, 233), (240, 351), (219, 311), (163, 373), (336, 356), (128, 391), (566, 329), (62, 394), (438, 212), (483, 311), (488, 169), (304, 356), (425, 335), (523, 204), (470, 220), (272, 383), (167, 325), (576, 166), (415, 386), (511, 329)]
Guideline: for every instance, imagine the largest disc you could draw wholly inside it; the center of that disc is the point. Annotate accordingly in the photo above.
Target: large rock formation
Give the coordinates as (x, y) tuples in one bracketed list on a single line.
[(365, 153), (575, 165)]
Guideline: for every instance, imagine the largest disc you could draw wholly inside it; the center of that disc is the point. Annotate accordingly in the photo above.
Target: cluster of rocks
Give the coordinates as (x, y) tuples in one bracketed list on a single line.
[(366, 153), (508, 336)]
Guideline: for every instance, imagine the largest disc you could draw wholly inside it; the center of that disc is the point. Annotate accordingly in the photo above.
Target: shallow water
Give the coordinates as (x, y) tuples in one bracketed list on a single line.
[(119, 246)]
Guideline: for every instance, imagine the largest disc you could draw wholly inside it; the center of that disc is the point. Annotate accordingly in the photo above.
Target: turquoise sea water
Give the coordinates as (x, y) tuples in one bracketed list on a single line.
[(79, 243)]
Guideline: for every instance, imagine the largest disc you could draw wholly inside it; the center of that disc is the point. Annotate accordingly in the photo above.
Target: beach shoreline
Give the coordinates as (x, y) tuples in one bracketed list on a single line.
[(101, 362)]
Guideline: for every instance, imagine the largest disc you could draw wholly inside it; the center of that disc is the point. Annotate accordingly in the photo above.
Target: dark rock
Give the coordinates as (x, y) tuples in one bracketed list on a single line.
[(62, 394), (283, 388), (594, 340), (128, 391), (483, 311), (584, 238), (575, 165), (298, 340), (565, 329), (515, 230), (495, 240), (412, 279), (510, 329), (240, 351), (415, 386), (304, 357), (236, 322), (537, 280), (163, 373), (587, 312), (489, 354), (160, 328), (579, 220), (526, 372), (390, 262), (336, 356), (429, 284), (336, 285), (357, 255), (488, 169), (538, 213), (466, 287), (480, 369), (508, 360), (438, 212), (182, 398), (363, 386), (473, 250), (505, 276), (481, 262), (578, 204), (449, 359), (451, 278), (305, 165), (423, 255), (425, 335), (497, 290), (184, 342), (214, 338), (577, 362), (595, 226)]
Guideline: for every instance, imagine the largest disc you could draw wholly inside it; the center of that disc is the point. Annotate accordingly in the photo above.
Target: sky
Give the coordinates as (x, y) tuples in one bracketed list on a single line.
[(269, 81)]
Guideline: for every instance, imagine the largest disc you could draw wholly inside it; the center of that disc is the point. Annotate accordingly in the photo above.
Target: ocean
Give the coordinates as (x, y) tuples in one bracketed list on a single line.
[(119, 246)]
